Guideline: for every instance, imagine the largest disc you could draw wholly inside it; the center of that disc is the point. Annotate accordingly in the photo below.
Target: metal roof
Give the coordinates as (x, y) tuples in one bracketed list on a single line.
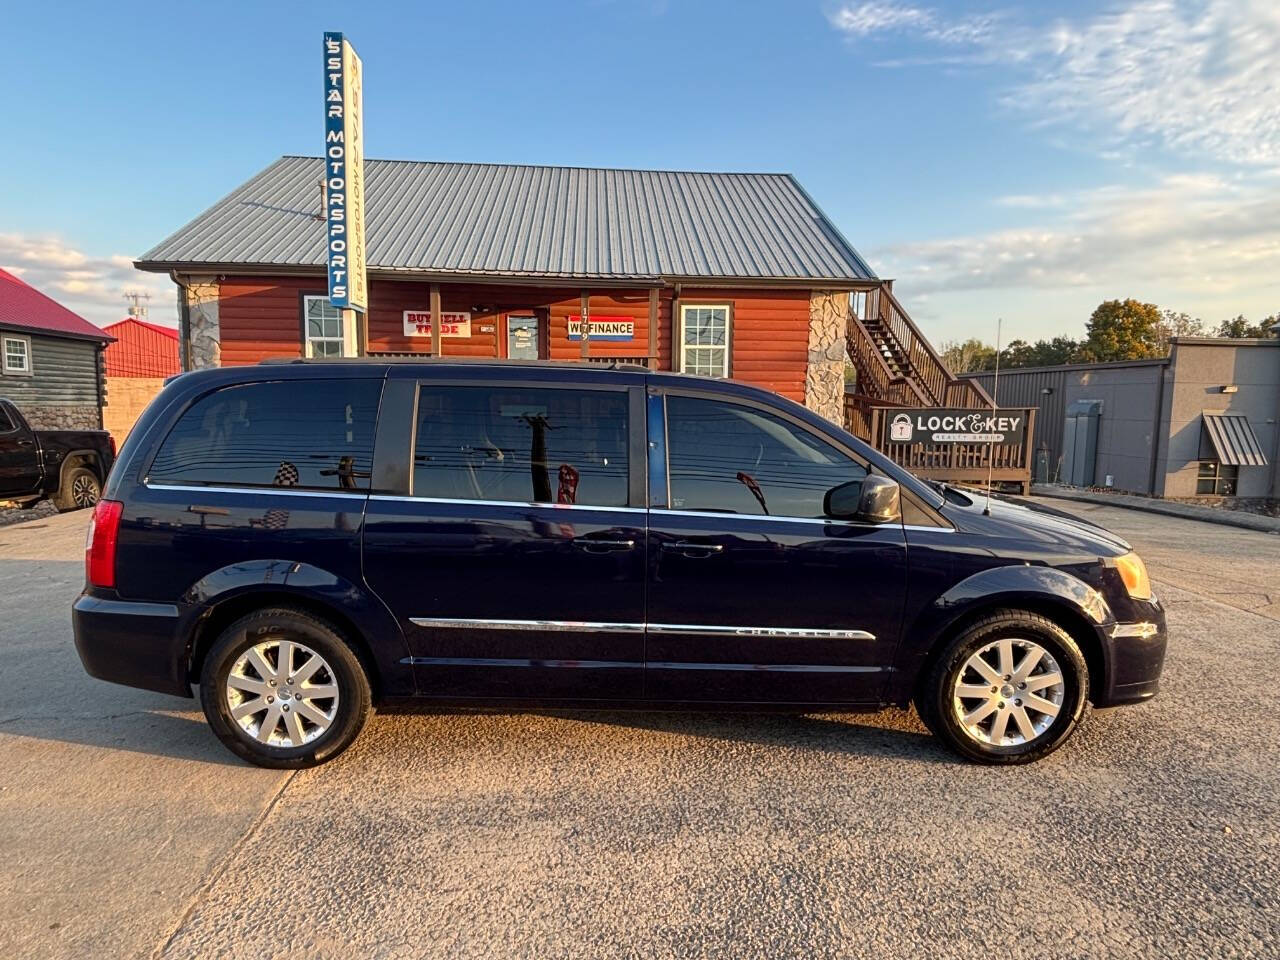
[(500, 220), (1234, 440), (23, 307)]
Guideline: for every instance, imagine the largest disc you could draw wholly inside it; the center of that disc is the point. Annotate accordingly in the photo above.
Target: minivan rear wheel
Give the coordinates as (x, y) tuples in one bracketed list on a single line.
[(1010, 688), (282, 689)]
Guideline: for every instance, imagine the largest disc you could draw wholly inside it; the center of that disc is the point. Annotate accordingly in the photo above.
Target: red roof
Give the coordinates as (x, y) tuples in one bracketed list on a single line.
[(23, 306), (142, 349), (171, 332)]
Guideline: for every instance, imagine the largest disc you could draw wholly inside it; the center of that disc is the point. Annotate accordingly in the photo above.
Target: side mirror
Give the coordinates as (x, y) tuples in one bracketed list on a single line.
[(870, 500)]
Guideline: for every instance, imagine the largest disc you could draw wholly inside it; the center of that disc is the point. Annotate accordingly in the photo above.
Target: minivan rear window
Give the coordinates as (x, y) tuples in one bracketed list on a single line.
[(313, 434), (522, 444)]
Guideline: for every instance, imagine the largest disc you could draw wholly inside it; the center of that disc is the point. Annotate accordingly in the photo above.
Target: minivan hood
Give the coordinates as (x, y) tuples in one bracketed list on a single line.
[(1022, 520)]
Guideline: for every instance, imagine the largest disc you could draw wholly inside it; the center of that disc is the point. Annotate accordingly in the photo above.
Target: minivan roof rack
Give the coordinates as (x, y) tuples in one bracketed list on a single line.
[(461, 361)]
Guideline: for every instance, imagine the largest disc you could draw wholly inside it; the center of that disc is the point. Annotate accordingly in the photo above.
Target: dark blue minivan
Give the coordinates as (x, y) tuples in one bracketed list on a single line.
[(305, 539)]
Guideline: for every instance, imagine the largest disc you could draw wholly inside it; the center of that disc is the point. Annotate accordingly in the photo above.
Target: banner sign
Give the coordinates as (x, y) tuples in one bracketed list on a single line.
[(417, 323), (603, 328), (344, 174), (945, 425)]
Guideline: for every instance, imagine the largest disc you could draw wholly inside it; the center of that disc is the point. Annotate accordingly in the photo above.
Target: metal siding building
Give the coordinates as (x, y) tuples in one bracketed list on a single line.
[(1157, 415)]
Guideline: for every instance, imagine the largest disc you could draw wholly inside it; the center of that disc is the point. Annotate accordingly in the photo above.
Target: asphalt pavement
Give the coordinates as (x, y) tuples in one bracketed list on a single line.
[(127, 830)]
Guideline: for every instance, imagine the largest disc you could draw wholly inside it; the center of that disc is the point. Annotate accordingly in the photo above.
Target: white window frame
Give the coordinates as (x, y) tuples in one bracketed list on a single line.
[(686, 348), (308, 340), (23, 371)]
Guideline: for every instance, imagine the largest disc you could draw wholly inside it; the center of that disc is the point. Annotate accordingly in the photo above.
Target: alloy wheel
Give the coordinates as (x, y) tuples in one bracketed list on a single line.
[(84, 490), (1008, 693), (282, 693)]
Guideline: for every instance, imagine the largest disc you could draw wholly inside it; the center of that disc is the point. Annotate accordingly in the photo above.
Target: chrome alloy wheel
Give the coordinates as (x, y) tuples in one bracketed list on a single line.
[(282, 693), (1008, 693)]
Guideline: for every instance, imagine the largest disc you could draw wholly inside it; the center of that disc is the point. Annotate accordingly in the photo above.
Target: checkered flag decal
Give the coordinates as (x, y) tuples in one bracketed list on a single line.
[(286, 475)]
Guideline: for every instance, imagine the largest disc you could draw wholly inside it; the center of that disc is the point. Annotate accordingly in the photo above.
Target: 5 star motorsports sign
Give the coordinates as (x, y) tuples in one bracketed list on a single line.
[(943, 425), (344, 174)]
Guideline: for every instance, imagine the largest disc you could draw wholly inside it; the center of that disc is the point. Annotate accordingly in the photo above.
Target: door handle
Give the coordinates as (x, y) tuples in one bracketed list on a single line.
[(693, 550), (595, 545)]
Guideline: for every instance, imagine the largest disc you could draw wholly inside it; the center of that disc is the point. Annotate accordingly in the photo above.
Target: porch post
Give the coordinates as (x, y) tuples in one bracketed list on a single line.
[(652, 360), (435, 319)]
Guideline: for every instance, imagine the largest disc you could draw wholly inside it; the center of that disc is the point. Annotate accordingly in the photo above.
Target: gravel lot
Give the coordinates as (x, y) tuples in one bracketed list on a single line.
[(127, 830)]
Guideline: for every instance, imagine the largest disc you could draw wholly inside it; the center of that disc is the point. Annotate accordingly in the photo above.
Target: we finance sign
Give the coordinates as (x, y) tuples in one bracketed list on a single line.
[(942, 425)]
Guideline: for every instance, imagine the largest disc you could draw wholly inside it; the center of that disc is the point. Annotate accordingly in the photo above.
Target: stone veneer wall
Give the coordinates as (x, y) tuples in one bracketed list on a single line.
[(824, 376), (62, 416), (204, 336)]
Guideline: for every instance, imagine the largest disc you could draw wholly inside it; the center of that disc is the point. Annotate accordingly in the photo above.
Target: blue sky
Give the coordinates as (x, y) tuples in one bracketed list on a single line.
[(1023, 161)]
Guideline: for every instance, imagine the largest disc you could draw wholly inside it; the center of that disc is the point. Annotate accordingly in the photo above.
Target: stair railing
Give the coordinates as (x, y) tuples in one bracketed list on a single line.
[(937, 384)]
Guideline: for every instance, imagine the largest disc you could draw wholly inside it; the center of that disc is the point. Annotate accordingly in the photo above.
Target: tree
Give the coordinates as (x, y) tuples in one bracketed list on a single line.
[(1176, 325), (1238, 327), (966, 357), (1123, 330)]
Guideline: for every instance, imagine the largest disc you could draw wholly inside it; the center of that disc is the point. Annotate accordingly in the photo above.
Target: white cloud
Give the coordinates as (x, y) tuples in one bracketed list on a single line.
[(1195, 76), (867, 19), (92, 286), (1188, 233)]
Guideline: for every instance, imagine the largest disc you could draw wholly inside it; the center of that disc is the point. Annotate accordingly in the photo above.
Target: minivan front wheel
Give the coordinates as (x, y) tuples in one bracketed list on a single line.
[(282, 689), (1010, 688)]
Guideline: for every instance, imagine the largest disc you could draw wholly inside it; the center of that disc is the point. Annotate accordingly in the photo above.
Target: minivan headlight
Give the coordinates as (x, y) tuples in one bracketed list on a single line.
[(1134, 574)]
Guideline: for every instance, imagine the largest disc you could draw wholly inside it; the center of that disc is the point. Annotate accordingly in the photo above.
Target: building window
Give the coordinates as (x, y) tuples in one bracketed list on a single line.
[(323, 326), (704, 340), (17, 355), (1216, 479)]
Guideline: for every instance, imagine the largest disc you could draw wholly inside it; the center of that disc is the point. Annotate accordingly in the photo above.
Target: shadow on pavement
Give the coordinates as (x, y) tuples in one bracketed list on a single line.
[(153, 732), (890, 733)]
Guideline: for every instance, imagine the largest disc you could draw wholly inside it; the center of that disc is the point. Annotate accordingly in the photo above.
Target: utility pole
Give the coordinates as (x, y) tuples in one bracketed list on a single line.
[(137, 309)]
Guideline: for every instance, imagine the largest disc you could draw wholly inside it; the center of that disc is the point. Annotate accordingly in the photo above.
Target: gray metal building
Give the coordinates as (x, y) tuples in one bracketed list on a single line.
[(1201, 422)]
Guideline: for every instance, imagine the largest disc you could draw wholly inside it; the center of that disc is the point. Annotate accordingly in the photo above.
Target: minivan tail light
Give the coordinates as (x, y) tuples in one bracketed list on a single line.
[(100, 545)]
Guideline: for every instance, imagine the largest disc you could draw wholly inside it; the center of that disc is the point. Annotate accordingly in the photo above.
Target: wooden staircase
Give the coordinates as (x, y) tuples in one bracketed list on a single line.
[(894, 364)]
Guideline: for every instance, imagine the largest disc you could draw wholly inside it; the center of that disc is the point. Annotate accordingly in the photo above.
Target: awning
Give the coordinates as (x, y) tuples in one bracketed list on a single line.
[(1234, 440)]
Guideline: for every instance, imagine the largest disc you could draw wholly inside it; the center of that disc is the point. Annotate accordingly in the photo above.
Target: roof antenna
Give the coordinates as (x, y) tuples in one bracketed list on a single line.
[(991, 444)]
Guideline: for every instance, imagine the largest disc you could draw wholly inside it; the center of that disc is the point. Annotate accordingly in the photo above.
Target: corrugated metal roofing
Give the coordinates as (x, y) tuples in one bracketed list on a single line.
[(1234, 440), (505, 220), (23, 306), (141, 349)]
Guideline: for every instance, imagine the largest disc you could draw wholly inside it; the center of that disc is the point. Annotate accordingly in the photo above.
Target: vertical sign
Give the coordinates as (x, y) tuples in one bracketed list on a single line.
[(344, 174)]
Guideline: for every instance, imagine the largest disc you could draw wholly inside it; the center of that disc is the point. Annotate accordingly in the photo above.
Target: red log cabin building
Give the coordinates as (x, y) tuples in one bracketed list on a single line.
[(723, 274)]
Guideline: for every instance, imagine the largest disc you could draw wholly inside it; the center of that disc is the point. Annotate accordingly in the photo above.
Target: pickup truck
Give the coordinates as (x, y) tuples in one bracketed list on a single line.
[(66, 466)]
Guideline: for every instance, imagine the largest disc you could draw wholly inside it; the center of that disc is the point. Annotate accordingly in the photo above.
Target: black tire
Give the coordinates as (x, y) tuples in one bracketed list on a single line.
[(937, 703), (351, 709), (79, 490)]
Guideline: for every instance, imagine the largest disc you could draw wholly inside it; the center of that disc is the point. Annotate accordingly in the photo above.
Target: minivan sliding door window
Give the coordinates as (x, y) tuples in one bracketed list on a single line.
[(521, 444)]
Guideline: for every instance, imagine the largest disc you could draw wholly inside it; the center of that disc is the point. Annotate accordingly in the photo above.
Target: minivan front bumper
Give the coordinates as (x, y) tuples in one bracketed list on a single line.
[(136, 644), (1134, 652)]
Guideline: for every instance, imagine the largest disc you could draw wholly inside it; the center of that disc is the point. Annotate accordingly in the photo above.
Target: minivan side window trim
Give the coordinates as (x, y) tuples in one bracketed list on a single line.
[(270, 491), (530, 504)]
